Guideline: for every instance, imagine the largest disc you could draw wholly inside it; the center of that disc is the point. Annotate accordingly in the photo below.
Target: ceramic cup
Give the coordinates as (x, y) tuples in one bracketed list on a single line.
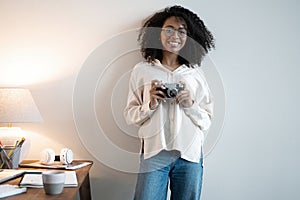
[(53, 181)]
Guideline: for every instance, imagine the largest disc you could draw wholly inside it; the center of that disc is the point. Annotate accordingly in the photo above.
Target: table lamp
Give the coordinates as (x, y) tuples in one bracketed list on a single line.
[(17, 106)]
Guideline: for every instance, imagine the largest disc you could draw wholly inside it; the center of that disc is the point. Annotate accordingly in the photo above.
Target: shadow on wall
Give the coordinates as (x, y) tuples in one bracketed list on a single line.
[(99, 98)]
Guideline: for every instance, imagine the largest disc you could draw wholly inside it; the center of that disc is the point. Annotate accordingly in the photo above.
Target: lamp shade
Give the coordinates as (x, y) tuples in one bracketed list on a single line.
[(17, 106)]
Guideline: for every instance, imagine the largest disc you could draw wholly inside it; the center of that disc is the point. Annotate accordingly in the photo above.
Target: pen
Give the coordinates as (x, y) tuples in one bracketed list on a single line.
[(4, 152), (11, 152), (5, 158), (4, 161), (20, 142)]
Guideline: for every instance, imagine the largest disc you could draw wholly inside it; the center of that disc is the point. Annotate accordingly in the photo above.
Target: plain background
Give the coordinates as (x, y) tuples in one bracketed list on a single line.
[(43, 45)]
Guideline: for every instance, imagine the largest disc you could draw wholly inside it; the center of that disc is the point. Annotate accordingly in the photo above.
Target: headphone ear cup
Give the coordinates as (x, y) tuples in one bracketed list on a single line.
[(66, 156), (47, 156)]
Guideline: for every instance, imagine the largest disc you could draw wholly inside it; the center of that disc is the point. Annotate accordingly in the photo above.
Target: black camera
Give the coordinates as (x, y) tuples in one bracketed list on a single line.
[(170, 89)]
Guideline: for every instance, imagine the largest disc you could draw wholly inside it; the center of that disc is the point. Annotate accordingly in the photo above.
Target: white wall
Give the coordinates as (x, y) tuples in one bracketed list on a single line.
[(45, 44)]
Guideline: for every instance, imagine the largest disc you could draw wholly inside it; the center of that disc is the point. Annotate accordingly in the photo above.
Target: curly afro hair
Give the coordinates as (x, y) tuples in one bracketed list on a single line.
[(199, 38)]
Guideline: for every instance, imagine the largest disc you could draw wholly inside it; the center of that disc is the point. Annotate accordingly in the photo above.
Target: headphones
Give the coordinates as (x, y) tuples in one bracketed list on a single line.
[(48, 156)]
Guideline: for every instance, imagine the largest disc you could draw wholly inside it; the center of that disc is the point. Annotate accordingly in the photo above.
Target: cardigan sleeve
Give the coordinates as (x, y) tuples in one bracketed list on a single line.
[(201, 112), (137, 109)]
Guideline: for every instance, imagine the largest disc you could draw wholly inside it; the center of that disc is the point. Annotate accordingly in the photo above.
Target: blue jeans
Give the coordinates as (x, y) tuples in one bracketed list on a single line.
[(185, 178)]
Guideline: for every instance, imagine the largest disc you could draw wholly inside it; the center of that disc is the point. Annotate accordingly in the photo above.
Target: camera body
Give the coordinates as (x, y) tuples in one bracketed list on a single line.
[(170, 89)]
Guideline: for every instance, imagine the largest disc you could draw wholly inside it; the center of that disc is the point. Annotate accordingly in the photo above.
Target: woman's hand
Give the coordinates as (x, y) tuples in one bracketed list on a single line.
[(156, 95), (184, 98)]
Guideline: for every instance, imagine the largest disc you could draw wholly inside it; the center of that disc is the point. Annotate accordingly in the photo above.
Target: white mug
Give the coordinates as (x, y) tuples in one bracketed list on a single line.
[(53, 181)]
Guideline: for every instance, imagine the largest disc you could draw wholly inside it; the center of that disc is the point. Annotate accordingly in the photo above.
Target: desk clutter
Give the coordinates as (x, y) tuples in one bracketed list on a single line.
[(33, 183), (9, 190), (10, 155), (7, 174), (31, 179)]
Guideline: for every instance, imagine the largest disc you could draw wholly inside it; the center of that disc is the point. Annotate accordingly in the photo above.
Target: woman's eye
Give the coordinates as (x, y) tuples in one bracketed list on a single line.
[(169, 31), (182, 32)]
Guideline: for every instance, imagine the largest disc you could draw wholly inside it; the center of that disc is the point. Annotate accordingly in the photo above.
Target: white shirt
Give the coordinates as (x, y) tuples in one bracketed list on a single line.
[(169, 127)]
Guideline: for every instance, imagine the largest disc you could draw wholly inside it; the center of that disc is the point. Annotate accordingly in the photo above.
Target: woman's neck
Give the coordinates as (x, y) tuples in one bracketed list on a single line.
[(170, 60)]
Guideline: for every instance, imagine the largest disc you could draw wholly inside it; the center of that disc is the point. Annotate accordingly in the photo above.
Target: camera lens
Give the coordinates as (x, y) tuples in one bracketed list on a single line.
[(172, 93)]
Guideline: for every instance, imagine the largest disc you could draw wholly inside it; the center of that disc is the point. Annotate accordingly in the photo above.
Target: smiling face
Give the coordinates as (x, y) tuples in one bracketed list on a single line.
[(173, 35)]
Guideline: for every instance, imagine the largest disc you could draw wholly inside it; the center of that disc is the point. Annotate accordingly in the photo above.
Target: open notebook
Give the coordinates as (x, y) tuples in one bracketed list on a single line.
[(7, 174), (34, 179)]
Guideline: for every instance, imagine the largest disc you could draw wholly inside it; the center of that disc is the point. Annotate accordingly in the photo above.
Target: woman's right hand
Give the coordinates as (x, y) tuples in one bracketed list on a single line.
[(156, 94)]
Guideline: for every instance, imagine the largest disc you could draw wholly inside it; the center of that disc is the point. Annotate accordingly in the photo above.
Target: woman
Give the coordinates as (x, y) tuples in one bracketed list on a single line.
[(169, 99)]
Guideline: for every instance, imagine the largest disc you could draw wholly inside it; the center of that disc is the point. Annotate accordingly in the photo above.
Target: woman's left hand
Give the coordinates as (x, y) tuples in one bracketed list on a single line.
[(184, 98)]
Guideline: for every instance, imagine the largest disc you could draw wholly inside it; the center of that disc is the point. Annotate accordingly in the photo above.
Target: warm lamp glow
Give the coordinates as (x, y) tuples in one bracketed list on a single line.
[(29, 66), (17, 106)]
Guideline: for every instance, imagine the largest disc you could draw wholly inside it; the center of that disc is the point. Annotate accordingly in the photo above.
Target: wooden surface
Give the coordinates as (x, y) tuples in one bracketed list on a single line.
[(68, 193)]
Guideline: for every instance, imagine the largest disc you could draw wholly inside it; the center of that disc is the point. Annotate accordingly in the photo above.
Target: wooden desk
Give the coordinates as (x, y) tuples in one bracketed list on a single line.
[(83, 188)]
